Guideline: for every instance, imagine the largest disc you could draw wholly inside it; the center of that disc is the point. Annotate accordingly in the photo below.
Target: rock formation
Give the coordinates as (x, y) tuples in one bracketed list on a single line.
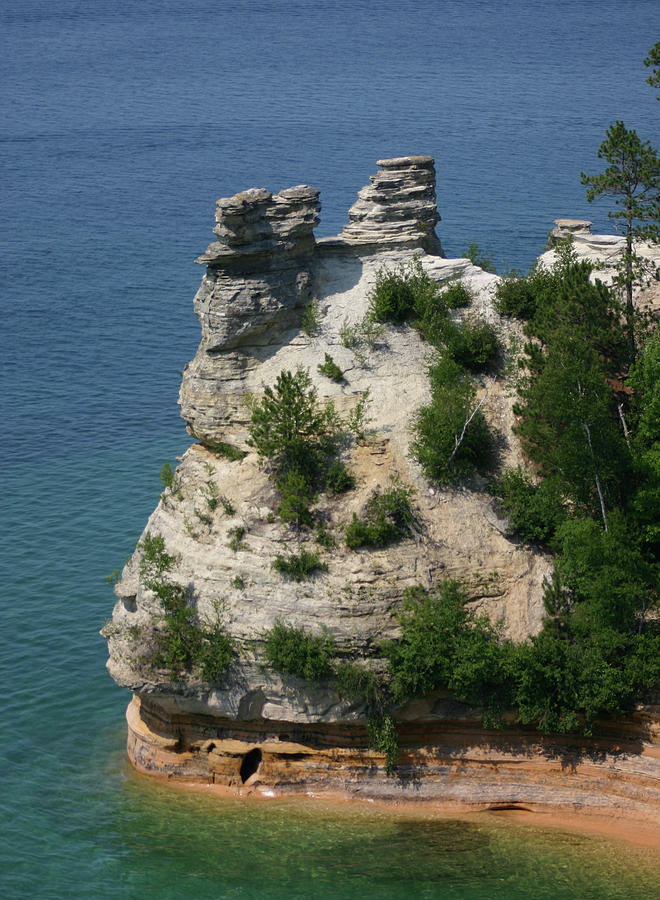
[(218, 523), (398, 208)]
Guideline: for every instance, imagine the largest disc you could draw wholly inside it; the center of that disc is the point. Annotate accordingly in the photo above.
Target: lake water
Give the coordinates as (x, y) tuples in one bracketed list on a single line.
[(122, 122)]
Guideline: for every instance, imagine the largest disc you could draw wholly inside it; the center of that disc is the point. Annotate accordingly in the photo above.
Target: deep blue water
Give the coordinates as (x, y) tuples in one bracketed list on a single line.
[(121, 123)]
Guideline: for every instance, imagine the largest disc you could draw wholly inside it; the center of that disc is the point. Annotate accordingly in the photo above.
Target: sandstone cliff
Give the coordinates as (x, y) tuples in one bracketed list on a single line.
[(264, 275)]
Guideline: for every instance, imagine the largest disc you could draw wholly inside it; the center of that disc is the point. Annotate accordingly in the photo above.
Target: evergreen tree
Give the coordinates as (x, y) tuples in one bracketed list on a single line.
[(567, 405), (632, 177), (652, 61)]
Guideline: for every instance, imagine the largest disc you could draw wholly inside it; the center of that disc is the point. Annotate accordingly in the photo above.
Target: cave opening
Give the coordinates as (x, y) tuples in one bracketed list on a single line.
[(250, 764)]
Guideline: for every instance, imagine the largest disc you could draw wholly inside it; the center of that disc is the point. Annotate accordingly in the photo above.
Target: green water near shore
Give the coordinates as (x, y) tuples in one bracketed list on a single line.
[(175, 843), (284, 849)]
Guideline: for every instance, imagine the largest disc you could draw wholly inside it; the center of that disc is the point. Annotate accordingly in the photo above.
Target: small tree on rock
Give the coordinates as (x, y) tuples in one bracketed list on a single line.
[(632, 177)]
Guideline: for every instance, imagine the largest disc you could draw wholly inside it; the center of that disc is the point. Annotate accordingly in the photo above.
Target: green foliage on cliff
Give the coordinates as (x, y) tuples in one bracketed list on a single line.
[(388, 517), (445, 646), (291, 429), (299, 566), (294, 651), (451, 439), (330, 369), (589, 661), (534, 510), (181, 643), (299, 438), (408, 293)]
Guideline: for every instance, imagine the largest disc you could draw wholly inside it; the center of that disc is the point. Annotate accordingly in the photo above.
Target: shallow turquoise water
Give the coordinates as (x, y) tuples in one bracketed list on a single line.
[(122, 123)]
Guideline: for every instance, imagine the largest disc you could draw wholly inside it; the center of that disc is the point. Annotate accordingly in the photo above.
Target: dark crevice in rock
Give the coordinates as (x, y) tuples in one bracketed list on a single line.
[(250, 764)]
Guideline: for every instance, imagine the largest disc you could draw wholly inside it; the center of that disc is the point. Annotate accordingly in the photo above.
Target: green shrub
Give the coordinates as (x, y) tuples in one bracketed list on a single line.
[(402, 292), (238, 582), (535, 511), (166, 475), (450, 436), (384, 738), (299, 566), (361, 684), (445, 646), (388, 517), (310, 322), (227, 505), (297, 496), (338, 479), (217, 651), (291, 429), (155, 561), (331, 370), (515, 297), (293, 651), (323, 537), (236, 536), (457, 296), (228, 451), (473, 344), (522, 297)]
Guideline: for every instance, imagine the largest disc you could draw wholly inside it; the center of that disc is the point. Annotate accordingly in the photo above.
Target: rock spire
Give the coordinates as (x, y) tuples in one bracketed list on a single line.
[(398, 208)]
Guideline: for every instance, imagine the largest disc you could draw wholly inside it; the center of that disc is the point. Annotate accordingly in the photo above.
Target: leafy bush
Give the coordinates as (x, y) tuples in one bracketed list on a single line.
[(338, 479), (444, 645), (323, 537), (181, 643), (331, 370), (402, 292), (450, 436), (535, 511), (293, 651), (457, 296), (155, 561), (299, 566), (383, 738), (388, 517), (473, 345), (515, 297), (216, 653), (297, 496), (227, 505)]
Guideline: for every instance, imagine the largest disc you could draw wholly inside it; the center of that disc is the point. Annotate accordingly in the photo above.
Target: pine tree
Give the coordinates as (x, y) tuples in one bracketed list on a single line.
[(632, 177)]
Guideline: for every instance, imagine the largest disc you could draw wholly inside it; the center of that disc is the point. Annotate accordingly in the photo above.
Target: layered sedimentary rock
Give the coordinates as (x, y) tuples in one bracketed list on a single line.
[(219, 524), (446, 758), (258, 277), (398, 208)]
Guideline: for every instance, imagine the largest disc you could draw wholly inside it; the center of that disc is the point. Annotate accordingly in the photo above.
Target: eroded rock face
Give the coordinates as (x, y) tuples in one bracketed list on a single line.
[(259, 275), (398, 208)]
